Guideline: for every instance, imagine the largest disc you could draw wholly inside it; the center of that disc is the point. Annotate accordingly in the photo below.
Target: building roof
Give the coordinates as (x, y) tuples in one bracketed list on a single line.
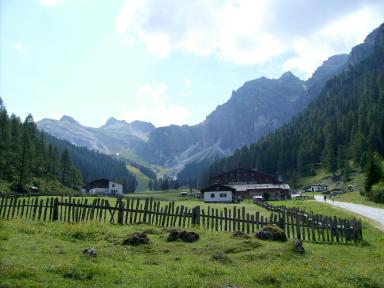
[(98, 183), (217, 187), (245, 187)]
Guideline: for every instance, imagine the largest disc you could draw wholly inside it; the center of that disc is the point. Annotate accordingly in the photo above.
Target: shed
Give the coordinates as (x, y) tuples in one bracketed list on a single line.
[(218, 193)]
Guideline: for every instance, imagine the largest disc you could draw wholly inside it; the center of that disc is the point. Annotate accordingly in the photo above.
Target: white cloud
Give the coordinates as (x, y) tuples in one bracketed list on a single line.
[(153, 105), (249, 32), (334, 38), (50, 3)]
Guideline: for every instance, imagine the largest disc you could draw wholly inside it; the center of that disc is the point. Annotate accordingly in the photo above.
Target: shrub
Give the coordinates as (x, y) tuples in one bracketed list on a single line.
[(377, 192)]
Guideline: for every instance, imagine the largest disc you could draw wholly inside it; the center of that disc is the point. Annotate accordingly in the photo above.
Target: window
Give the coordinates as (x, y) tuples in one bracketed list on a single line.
[(212, 195), (223, 195)]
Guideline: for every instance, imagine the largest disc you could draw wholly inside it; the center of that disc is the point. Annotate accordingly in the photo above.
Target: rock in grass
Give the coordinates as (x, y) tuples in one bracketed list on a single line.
[(298, 246), (136, 238), (271, 232), (240, 234), (90, 252)]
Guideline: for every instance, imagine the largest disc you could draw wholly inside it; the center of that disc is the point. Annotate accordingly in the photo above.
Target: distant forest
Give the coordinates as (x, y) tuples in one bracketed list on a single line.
[(27, 153)]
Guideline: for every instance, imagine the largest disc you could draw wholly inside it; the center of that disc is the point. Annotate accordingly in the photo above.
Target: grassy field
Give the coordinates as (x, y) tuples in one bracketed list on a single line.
[(142, 180), (36, 254)]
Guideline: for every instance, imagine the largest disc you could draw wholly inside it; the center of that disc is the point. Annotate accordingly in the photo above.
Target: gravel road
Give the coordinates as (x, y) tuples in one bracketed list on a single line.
[(376, 214)]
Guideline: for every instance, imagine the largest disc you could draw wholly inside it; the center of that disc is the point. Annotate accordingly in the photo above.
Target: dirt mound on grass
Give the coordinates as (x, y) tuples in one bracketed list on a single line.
[(240, 234), (183, 235), (136, 238), (271, 232)]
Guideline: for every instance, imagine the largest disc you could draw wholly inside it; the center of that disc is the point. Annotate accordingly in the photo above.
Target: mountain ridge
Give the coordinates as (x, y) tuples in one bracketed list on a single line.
[(255, 109)]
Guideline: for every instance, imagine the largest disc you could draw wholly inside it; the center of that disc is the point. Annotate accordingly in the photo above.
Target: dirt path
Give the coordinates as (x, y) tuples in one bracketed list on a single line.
[(376, 214)]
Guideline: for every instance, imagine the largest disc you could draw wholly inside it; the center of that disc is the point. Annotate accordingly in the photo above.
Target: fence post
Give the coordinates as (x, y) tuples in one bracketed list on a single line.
[(55, 210), (120, 212), (194, 218)]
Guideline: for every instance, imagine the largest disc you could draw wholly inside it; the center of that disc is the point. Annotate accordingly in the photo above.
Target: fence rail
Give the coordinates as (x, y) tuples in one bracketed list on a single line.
[(318, 228)]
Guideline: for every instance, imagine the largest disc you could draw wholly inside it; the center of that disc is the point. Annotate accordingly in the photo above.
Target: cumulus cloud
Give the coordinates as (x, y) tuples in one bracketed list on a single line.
[(249, 32), (152, 104)]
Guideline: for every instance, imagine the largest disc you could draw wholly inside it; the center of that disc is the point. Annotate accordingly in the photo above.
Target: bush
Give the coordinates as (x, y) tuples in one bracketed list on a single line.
[(377, 192)]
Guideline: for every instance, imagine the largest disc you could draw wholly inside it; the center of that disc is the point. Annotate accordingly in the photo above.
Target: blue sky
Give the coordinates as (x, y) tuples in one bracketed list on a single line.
[(163, 61)]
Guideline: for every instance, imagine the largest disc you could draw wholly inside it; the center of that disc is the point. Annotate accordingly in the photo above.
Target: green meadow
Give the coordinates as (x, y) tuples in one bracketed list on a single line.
[(49, 254)]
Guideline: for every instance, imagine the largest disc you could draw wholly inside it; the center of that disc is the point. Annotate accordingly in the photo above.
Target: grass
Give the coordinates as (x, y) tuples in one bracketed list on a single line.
[(356, 197), (142, 180), (45, 186), (320, 174), (5, 187), (36, 254)]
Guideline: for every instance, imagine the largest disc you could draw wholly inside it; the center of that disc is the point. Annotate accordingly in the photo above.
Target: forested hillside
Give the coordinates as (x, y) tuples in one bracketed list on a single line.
[(27, 155), (344, 123), (94, 165)]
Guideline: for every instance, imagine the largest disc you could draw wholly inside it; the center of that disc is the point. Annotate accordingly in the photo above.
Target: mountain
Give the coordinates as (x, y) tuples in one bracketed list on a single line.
[(342, 124), (257, 108), (113, 137)]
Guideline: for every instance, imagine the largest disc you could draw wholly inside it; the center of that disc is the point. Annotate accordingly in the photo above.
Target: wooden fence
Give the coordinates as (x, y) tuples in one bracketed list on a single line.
[(328, 228), (167, 214)]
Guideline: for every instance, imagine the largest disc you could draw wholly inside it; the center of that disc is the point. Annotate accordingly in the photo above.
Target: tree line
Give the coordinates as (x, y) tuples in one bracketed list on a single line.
[(339, 129), (163, 184), (27, 154)]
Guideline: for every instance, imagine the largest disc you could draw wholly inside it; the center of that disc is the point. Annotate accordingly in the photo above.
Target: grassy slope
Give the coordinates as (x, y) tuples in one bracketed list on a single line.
[(320, 174), (45, 185), (355, 197), (142, 179), (37, 254)]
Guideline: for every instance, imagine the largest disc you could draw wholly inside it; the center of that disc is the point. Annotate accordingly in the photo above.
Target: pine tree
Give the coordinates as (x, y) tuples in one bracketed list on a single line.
[(27, 153), (66, 167), (374, 172)]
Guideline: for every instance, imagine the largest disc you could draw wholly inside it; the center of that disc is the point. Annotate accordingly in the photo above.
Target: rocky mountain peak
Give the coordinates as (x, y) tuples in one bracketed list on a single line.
[(114, 121), (69, 119), (287, 76)]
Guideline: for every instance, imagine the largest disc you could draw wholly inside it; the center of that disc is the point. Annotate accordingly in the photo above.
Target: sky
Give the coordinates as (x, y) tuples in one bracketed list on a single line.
[(163, 61)]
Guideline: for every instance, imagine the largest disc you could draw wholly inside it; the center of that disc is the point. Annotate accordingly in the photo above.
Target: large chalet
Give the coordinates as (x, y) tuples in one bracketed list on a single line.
[(251, 183)]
